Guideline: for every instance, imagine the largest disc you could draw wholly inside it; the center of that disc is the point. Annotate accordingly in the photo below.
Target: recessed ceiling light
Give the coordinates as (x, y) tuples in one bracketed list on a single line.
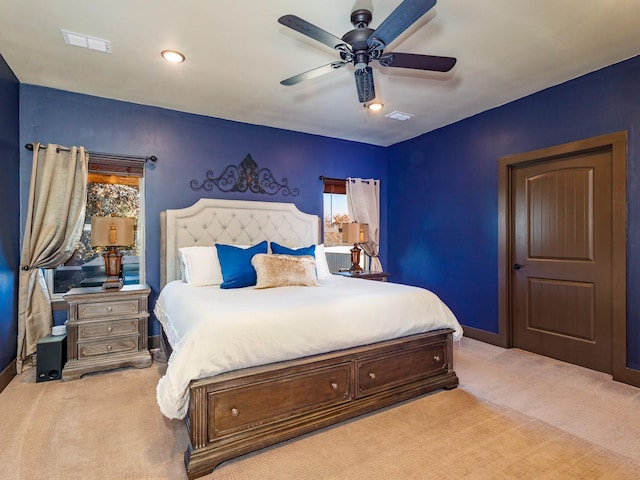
[(375, 106), (172, 56)]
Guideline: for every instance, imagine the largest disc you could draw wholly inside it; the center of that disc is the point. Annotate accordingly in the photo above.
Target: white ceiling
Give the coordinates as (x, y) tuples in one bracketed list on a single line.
[(237, 53)]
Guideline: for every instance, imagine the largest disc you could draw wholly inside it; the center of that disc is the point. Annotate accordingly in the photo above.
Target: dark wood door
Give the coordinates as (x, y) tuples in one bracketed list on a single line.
[(562, 258)]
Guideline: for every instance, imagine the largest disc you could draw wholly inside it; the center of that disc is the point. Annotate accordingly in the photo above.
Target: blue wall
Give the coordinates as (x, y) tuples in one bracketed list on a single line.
[(10, 201), (440, 188), (187, 146), (443, 190)]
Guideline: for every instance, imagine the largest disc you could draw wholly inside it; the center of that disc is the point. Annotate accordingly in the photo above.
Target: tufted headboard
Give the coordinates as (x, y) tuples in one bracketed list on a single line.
[(235, 222)]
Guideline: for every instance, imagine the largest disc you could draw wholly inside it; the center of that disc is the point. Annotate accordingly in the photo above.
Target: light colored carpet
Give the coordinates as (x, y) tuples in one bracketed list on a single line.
[(515, 415)]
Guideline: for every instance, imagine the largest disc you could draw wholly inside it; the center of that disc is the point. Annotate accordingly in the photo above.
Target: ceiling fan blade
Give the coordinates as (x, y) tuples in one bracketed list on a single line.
[(316, 72), (400, 19), (364, 84), (310, 30), (419, 62)]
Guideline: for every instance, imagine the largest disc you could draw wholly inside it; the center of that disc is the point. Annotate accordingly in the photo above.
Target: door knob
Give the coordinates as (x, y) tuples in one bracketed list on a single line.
[(517, 266)]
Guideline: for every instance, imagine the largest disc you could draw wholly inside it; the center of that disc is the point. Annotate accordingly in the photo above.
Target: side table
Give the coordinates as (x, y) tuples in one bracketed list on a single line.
[(365, 274), (106, 329)]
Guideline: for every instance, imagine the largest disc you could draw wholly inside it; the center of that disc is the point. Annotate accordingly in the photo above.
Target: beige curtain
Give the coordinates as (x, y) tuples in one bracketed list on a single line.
[(363, 201), (55, 217)]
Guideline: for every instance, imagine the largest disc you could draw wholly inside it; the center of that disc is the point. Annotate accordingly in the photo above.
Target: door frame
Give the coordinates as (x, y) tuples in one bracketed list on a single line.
[(617, 143)]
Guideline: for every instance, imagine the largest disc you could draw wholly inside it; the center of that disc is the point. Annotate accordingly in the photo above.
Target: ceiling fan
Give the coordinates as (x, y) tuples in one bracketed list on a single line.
[(363, 45)]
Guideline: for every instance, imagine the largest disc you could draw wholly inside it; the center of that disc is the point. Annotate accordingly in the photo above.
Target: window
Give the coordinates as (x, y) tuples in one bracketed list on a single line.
[(115, 187), (335, 214), (335, 211)]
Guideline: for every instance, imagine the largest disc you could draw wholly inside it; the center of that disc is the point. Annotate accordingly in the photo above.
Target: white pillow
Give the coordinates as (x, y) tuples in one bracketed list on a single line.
[(322, 267), (201, 266)]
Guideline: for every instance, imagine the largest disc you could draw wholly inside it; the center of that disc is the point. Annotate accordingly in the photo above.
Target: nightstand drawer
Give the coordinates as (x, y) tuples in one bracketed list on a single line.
[(107, 329), (115, 345), (107, 309)]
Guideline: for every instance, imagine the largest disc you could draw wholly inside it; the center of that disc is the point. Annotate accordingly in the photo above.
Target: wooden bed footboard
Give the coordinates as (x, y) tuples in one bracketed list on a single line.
[(239, 412)]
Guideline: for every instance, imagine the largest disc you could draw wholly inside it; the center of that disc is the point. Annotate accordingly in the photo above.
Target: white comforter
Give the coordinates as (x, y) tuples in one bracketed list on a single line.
[(214, 331)]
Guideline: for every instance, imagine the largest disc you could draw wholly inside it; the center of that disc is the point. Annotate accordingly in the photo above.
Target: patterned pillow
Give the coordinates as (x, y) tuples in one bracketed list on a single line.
[(317, 251), (284, 270)]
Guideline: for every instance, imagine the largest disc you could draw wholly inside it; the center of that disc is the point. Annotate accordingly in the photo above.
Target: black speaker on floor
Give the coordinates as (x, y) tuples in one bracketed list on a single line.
[(52, 355)]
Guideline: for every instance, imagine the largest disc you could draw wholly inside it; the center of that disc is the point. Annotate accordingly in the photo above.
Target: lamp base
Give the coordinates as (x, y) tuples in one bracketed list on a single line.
[(112, 262), (112, 269), (355, 259), (112, 282)]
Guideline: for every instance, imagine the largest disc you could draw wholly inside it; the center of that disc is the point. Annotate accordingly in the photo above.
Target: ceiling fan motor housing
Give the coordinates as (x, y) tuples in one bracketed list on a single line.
[(358, 38)]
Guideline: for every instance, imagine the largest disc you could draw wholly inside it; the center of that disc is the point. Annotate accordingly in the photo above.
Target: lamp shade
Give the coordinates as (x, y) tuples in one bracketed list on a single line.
[(112, 231), (355, 233)]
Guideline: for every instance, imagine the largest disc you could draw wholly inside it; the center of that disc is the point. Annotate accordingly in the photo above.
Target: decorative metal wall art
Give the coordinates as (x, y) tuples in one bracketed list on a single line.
[(246, 176)]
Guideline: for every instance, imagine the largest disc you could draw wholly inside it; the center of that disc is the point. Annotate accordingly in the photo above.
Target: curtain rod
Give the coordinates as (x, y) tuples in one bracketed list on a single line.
[(323, 178), (153, 158)]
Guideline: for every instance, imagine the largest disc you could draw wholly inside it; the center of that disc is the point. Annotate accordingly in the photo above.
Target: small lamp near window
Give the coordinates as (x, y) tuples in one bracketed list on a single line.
[(355, 233), (112, 232)]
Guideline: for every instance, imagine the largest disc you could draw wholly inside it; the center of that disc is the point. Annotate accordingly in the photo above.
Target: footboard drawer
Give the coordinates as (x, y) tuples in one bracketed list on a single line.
[(258, 404), (389, 370)]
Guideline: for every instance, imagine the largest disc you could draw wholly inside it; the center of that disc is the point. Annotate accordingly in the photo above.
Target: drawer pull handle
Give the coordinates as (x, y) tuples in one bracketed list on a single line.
[(436, 358), (334, 386), (109, 329), (109, 309), (372, 376), (235, 412), (108, 348)]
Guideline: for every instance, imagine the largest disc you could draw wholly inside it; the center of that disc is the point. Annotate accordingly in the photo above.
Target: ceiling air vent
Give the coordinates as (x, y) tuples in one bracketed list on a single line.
[(85, 41), (399, 116)]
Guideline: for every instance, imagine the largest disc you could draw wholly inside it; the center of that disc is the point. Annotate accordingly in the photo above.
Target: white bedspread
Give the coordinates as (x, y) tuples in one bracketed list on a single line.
[(214, 331)]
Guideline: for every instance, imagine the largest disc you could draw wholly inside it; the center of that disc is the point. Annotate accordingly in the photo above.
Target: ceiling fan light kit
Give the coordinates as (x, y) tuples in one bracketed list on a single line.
[(375, 106), (363, 45)]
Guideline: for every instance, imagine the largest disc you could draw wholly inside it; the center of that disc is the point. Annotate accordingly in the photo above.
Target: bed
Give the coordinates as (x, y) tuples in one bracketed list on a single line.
[(246, 373)]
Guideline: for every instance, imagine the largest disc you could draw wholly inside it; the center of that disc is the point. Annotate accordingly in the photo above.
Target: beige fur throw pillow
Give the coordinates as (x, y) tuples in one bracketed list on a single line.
[(284, 270)]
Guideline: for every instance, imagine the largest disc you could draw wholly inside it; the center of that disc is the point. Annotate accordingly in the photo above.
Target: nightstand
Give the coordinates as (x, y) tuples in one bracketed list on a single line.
[(365, 274), (106, 329)]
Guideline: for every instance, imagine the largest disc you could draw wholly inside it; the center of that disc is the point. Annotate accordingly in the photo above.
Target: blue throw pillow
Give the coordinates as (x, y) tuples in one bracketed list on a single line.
[(235, 262), (279, 249)]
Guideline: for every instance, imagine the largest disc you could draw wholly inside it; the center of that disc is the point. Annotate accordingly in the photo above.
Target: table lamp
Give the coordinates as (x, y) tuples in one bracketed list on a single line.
[(112, 232), (355, 233)]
